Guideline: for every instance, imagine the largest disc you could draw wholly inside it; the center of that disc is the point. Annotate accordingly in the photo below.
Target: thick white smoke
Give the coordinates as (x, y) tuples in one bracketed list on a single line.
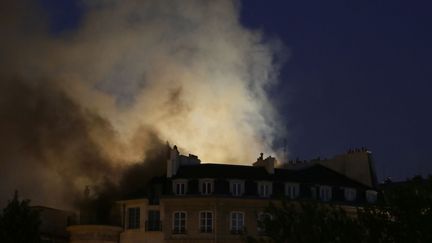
[(187, 71)]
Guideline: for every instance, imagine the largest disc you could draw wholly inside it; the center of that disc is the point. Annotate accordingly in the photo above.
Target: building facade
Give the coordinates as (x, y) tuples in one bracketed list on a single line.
[(53, 223), (201, 202)]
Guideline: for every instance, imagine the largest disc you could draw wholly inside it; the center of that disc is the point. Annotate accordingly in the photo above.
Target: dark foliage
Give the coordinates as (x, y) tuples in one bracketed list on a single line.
[(307, 222), (404, 215), (19, 223)]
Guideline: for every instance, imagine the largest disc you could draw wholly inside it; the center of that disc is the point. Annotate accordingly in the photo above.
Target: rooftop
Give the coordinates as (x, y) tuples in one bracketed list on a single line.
[(314, 174)]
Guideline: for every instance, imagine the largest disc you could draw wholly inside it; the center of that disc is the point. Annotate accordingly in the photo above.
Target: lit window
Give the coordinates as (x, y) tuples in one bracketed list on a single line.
[(206, 187), (371, 196), (134, 218), (179, 223), (236, 188), (264, 189), (206, 221), (237, 222), (180, 187), (325, 193), (292, 190), (350, 194)]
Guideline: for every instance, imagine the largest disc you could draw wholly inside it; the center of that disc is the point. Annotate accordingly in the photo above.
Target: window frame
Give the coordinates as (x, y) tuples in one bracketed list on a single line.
[(137, 222), (371, 196), (180, 182), (260, 216), (181, 230), (265, 184), (350, 194), (209, 182), (153, 222), (325, 193), (240, 183), (292, 194), (235, 226), (206, 228)]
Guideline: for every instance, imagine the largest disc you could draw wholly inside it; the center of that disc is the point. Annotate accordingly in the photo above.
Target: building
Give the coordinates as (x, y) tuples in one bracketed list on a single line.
[(53, 224), (201, 202)]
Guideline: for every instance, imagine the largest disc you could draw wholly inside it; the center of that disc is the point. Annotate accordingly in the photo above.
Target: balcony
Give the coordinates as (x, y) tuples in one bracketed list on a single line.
[(153, 225)]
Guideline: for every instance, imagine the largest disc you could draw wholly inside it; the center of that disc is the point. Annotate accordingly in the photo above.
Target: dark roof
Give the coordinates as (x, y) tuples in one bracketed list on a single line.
[(222, 171), (315, 174)]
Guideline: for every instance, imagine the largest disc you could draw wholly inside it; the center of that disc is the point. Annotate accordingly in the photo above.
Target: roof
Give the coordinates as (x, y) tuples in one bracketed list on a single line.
[(222, 171), (315, 174)]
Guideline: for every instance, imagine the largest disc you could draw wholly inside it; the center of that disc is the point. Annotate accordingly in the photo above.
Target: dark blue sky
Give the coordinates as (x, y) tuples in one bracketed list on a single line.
[(358, 74)]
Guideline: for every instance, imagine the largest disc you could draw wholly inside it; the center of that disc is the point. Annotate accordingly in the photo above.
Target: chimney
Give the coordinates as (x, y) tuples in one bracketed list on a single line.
[(268, 163), (173, 162)]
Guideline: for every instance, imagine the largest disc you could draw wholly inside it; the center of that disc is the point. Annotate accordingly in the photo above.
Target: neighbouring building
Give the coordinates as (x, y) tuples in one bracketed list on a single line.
[(53, 224), (202, 202)]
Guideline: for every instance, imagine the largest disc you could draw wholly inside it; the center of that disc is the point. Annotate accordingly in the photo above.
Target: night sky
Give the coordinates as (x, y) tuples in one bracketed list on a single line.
[(357, 73)]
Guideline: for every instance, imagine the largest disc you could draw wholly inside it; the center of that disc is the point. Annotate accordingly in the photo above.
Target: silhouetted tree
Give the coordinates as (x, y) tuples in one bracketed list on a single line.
[(19, 223), (406, 215), (307, 222)]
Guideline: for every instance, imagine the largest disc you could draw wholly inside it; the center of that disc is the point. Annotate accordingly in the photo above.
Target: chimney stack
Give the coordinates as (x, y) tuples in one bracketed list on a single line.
[(268, 163), (173, 162)]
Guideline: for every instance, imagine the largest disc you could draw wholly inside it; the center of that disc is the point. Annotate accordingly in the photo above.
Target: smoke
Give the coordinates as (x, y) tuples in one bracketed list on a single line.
[(88, 104)]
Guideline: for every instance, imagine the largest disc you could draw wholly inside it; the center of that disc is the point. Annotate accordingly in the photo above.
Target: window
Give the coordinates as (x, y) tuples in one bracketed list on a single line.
[(325, 193), (350, 194), (206, 187), (134, 218), (237, 222), (180, 187), (292, 190), (206, 222), (313, 191), (236, 188), (371, 196), (264, 189), (262, 219), (153, 222), (179, 223)]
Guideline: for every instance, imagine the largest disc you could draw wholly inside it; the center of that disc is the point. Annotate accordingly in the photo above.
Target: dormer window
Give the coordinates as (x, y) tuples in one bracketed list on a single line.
[(206, 186), (264, 189), (371, 196), (350, 194), (237, 188), (325, 193), (292, 190), (180, 187)]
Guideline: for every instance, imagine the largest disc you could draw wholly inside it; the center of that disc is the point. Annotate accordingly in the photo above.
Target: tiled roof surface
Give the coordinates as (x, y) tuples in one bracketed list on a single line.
[(315, 174), (222, 171)]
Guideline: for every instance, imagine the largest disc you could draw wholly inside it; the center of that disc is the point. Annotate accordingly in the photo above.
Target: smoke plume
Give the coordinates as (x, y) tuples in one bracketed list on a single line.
[(84, 106)]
